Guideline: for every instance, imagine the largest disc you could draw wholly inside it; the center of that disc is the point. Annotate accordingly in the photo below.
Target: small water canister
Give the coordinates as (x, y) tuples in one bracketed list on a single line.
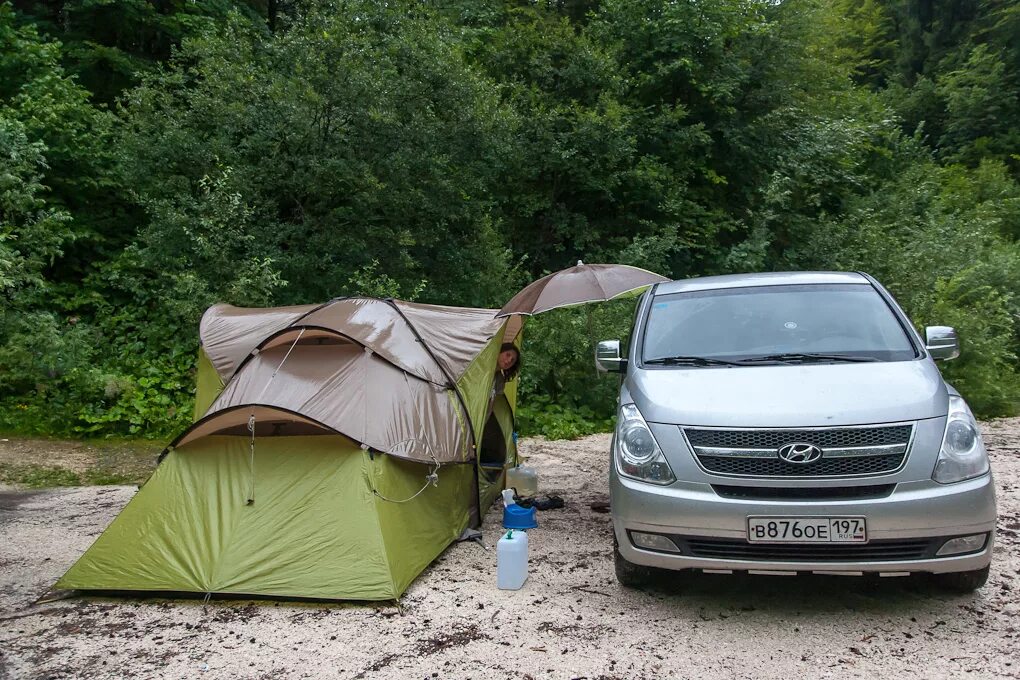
[(523, 478), (512, 560)]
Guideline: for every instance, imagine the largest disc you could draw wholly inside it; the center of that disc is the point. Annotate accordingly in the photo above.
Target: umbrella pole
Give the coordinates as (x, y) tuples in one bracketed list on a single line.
[(591, 339)]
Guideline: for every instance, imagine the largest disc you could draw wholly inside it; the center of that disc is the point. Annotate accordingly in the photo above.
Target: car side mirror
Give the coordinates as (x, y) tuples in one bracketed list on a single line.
[(608, 359), (942, 343)]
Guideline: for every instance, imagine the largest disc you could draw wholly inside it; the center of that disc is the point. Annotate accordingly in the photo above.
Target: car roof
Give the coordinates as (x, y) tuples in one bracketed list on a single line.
[(761, 279)]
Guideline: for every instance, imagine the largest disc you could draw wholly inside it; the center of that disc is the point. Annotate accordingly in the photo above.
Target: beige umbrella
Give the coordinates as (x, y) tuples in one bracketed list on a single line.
[(577, 285)]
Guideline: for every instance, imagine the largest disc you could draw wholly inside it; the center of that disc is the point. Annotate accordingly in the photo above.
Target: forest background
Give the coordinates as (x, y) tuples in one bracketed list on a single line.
[(159, 156)]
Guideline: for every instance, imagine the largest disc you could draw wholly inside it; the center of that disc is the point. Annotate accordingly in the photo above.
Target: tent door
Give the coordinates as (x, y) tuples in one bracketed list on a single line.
[(497, 451), (492, 456)]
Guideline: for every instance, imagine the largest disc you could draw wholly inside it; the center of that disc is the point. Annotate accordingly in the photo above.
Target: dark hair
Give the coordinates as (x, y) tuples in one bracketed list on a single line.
[(511, 372)]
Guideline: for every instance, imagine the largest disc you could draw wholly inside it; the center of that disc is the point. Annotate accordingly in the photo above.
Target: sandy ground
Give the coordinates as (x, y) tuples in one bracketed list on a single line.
[(571, 619)]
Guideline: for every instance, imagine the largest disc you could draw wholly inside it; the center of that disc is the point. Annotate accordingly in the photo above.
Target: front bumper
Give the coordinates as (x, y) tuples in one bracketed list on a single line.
[(914, 510)]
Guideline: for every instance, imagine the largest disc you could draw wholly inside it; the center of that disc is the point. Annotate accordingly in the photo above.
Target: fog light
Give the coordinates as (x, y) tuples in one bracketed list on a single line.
[(653, 542), (963, 544)]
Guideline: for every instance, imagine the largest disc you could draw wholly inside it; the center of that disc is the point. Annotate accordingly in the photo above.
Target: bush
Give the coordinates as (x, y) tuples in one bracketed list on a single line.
[(73, 379), (940, 239), (562, 395), (542, 417)]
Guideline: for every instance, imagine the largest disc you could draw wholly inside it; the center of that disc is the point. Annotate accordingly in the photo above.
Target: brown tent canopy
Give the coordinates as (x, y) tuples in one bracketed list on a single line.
[(422, 339), (293, 369)]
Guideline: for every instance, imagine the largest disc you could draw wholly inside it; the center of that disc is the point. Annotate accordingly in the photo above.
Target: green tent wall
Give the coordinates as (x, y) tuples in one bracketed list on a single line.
[(315, 530)]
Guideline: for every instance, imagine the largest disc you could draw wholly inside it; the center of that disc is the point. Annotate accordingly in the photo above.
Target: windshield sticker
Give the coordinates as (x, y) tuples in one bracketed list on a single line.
[(790, 324)]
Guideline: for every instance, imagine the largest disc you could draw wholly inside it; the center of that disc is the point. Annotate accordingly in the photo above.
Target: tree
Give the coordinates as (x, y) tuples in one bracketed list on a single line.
[(356, 137), (108, 46), (31, 233)]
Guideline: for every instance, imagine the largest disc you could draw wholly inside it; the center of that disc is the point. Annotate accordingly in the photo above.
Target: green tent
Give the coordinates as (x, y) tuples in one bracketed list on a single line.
[(337, 450)]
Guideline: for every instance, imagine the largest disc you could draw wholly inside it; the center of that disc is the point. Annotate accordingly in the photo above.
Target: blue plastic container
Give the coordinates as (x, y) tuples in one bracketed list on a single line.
[(516, 517)]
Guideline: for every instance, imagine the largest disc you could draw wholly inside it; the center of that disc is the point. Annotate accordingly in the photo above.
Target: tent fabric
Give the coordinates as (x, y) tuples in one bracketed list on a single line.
[(378, 325), (207, 384), (269, 422), (317, 529), (476, 385), (350, 391), (403, 361), (228, 333), (490, 486), (453, 335), (353, 405), (416, 532)]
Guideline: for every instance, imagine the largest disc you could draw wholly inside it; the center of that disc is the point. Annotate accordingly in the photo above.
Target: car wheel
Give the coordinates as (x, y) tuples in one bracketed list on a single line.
[(629, 574), (962, 581)]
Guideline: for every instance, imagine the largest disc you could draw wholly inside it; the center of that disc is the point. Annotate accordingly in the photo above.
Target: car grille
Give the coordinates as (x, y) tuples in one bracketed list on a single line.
[(825, 438), (875, 551), (805, 493), (752, 467), (845, 452)]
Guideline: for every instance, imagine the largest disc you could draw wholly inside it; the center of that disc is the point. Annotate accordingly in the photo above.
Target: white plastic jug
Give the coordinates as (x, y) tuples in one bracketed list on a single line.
[(524, 479), (512, 560)]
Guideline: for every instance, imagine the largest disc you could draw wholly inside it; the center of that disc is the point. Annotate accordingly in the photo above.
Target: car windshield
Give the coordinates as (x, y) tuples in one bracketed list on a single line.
[(774, 324)]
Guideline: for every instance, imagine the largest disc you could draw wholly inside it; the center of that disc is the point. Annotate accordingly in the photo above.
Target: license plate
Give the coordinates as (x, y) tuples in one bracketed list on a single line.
[(806, 530)]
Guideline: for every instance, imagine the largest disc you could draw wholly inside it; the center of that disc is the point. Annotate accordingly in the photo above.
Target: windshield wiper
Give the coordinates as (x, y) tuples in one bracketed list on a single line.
[(690, 361), (805, 357)]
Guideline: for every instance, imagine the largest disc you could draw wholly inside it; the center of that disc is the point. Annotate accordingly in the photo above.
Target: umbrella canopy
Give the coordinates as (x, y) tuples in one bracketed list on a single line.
[(577, 285)]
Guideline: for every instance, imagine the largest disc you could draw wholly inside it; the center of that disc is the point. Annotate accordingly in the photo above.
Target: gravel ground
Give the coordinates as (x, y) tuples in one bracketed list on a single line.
[(571, 619)]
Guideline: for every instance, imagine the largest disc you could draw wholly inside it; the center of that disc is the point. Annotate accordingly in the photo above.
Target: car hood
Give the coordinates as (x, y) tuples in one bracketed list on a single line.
[(810, 395)]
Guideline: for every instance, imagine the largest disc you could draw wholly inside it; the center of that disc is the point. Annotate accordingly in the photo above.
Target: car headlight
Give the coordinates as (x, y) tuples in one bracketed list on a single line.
[(963, 454), (637, 453)]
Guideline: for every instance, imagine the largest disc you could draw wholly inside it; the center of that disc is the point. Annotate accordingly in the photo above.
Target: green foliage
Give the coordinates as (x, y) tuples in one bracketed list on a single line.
[(330, 171), (31, 233), (109, 45), (941, 239), (68, 382), (561, 393), (951, 70), (864, 31), (55, 114), (981, 99), (540, 416), (986, 317), (202, 248)]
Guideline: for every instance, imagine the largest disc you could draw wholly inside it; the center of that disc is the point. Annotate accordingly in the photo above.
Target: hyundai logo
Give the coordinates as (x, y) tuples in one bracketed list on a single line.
[(800, 453)]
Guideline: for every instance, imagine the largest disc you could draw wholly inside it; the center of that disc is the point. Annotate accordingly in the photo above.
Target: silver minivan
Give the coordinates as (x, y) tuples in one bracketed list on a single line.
[(791, 423)]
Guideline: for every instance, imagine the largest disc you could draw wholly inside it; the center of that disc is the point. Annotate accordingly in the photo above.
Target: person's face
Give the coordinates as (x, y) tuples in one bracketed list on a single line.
[(507, 359)]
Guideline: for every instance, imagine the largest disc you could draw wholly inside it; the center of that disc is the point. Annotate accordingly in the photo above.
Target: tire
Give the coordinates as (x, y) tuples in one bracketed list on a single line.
[(962, 581), (628, 574)]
